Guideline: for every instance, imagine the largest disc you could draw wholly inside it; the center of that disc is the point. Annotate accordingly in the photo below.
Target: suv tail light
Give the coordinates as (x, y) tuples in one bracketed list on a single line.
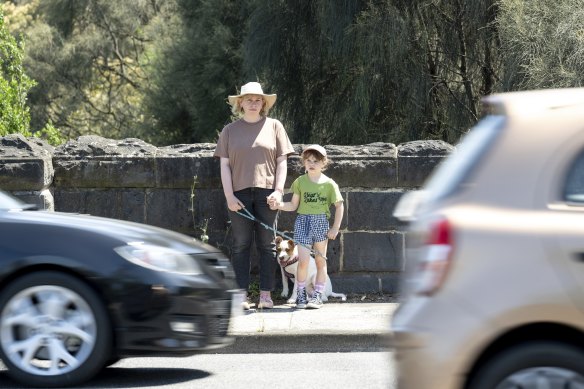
[(436, 258)]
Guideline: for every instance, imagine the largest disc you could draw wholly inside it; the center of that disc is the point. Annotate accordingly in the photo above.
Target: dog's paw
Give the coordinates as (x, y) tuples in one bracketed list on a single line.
[(291, 301), (284, 294)]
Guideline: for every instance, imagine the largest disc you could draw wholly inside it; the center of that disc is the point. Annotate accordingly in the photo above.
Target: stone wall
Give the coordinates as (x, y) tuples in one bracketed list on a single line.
[(179, 187)]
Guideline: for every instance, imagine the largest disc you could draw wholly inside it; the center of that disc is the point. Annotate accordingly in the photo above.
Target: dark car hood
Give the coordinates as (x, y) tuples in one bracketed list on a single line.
[(123, 231)]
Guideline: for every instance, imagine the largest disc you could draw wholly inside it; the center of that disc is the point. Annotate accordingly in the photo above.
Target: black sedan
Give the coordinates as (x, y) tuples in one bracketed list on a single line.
[(78, 293)]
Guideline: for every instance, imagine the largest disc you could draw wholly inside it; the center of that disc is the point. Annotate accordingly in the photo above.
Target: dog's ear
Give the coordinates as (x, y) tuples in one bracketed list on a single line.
[(278, 239), (290, 244)]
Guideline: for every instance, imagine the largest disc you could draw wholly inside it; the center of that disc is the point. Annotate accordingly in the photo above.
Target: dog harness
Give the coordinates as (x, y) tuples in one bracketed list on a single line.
[(285, 264)]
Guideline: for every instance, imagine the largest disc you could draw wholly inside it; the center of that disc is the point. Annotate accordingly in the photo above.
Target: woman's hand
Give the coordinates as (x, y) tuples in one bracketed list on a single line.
[(234, 204), (276, 195), (273, 203), (274, 199)]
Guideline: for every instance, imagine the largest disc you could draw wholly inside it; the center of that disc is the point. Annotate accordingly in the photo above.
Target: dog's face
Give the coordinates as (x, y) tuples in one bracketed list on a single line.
[(284, 249)]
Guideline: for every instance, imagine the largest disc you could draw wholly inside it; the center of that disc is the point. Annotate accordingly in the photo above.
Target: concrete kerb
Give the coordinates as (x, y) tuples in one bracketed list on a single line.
[(336, 327)]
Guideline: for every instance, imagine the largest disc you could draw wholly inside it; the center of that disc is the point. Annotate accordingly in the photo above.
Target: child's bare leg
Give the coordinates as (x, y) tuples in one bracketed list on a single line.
[(303, 260), (319, 286), (321, 268)]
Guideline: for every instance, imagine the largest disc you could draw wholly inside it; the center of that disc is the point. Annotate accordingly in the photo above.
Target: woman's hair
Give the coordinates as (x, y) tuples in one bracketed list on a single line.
[(318, 156), (237, 109)]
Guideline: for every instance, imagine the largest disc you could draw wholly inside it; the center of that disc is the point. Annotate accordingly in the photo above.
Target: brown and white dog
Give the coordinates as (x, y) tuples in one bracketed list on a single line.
[(287, 256)]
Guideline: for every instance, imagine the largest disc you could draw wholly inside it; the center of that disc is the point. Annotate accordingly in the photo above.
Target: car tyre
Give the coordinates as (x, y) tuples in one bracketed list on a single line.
[(54, 330), (552, 364)]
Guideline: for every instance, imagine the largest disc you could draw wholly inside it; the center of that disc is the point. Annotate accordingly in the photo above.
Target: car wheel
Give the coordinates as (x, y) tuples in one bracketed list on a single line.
[(533, 365), (112, 361), (54, 330)]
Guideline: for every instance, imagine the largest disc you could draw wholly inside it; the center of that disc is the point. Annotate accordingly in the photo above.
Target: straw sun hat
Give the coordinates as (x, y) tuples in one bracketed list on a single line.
[(253, 88)]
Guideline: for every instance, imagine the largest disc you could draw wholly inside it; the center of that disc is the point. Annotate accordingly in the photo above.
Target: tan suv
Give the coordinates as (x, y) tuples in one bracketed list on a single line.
[(495, 296)]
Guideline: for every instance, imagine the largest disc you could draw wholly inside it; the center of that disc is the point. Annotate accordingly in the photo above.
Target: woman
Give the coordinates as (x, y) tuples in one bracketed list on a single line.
[(253, 152)]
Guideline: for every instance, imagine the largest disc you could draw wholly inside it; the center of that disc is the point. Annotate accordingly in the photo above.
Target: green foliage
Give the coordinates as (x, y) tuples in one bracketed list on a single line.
[(455, 44), (253, 291), (195, 65), (542, 43), (87, 58), (14, 85), (354, 72), (51, 134), (345, 71)]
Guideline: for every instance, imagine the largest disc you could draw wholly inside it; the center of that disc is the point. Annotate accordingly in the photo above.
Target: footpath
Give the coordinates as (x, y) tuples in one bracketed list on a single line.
[(336, 327)]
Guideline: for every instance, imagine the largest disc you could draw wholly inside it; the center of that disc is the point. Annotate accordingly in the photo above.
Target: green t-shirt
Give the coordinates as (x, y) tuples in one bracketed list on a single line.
[(316, 199)]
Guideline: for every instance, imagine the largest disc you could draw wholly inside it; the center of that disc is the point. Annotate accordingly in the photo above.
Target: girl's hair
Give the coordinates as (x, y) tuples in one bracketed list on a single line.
[(318, 156), (237, 109)]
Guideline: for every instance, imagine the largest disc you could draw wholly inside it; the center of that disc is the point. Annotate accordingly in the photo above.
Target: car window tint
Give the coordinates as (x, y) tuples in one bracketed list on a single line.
[(574, 186), (449, 175)]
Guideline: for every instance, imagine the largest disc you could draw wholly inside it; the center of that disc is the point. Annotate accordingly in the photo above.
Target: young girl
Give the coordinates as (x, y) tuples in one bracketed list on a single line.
[(313, 194)]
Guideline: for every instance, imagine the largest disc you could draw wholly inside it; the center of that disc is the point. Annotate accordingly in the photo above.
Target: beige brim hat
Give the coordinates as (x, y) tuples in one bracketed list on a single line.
[(317, 148), (253, 88)]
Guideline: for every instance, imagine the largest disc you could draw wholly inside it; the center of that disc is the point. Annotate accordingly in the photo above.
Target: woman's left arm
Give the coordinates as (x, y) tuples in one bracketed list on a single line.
[(280, 180)]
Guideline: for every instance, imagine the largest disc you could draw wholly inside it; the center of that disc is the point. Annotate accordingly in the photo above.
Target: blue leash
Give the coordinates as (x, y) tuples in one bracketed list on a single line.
[(251, 217)]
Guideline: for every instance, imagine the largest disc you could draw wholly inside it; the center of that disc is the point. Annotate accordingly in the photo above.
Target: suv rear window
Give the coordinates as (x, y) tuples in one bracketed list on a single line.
[(449, 175), (574, 186)]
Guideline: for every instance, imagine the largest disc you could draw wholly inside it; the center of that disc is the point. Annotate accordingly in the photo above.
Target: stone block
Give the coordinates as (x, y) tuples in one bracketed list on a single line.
[(70, 200), (131, 205), (414, 171), (209, 211), (333, 254), (355, 283), (171, 208), (424, 148), (391, 283), (373, 252), (112, 172), (372, 211), (124, 204), (416, 160), (25, 174), (364, 173), (366, 283), (102, 202), (286, 222), (25, 163), (94, 146), (220, 239), (180, 172), (43, 199)]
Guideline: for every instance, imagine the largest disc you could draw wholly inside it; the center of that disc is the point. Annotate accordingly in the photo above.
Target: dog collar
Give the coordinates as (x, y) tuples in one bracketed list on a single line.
[(289, 262)]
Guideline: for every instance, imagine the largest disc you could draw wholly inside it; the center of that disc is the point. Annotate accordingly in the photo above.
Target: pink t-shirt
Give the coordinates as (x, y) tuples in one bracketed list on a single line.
[(252, 149)]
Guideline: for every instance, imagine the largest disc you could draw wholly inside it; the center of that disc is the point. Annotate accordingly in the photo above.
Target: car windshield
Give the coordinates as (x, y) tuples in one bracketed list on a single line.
[(456, 168), (8, 202)]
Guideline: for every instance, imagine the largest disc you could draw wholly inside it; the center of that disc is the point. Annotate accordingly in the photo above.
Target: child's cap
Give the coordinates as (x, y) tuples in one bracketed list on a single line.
[(317, 148)]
